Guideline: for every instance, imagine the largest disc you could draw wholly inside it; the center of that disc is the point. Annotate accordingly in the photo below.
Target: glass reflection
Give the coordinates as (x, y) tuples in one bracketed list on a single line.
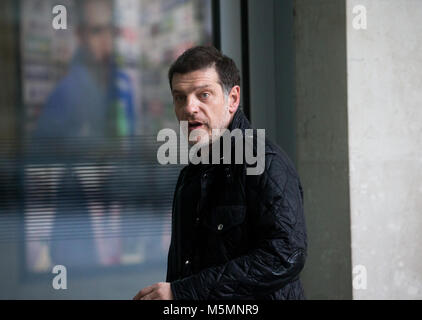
[(94, 197)]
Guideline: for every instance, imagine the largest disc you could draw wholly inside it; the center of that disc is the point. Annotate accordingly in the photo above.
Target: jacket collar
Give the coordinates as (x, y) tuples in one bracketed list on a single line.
[(239, 121)]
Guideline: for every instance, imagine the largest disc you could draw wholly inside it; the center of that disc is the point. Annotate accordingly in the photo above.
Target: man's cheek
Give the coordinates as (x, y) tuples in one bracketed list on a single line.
[(178, 114)]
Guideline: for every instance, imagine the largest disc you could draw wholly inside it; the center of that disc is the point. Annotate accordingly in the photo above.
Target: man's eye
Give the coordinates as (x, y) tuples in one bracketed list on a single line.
[(178, 98), (205, 95)]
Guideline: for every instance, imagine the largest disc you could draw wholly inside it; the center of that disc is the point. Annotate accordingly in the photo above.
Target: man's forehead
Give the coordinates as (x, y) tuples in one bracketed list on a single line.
[(197, 78), (98, 13)]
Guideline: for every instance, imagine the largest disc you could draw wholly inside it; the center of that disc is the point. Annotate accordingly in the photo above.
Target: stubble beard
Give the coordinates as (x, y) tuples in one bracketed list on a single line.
[(216, 131)]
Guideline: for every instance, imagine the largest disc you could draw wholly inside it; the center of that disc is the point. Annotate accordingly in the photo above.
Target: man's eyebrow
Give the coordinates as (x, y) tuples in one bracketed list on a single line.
[(194, 89)]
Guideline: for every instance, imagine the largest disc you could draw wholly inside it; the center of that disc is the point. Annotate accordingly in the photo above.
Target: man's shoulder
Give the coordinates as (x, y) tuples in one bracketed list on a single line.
[(275, 155), (69, 91), (278, 170), (182, 173)]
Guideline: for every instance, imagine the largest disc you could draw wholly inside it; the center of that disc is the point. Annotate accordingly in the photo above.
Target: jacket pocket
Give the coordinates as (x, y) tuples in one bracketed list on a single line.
[(222, 219), (225, 233)]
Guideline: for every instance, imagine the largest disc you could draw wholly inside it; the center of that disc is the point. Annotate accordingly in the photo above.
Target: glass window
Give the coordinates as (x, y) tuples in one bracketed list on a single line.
[(88, 192)]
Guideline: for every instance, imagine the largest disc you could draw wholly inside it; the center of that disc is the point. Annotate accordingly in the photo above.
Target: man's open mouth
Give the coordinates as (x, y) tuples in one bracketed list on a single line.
[(192, 125)]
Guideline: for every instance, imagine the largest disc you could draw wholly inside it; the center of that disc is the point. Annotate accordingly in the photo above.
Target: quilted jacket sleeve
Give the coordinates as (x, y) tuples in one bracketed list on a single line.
[(279, 252)]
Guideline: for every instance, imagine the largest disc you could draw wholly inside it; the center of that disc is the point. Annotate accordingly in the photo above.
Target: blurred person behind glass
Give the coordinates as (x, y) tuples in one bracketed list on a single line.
[(81, 106)]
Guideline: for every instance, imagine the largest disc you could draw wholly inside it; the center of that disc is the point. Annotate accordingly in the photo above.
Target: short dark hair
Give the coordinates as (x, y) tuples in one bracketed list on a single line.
[(201, 57)]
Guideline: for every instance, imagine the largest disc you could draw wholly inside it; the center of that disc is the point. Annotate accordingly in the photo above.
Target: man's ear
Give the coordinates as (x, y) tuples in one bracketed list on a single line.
[(234, 99)]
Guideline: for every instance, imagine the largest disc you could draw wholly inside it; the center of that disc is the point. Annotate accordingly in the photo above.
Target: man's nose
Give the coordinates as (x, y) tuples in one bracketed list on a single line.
[(108, 44), (191, 106)]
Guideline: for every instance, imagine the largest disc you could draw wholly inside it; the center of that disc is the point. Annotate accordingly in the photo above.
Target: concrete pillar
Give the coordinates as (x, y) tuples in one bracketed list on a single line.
[(384, 67), (359, 146), (322, 139)]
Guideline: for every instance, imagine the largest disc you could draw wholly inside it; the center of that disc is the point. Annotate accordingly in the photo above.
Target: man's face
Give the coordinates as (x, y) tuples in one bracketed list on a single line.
[(97, 33), (199, 98)]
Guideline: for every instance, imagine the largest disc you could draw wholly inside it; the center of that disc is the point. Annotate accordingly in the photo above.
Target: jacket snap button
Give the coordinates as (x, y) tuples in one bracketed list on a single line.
[(205, 175), (220, 227), (187, 262)]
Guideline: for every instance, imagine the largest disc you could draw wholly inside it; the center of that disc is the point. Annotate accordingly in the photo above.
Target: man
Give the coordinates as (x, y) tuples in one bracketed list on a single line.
[(234, 236), (79, 105)]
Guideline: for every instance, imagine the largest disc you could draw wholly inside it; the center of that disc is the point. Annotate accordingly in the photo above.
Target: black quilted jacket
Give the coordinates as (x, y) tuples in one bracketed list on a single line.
[(238, 236)]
